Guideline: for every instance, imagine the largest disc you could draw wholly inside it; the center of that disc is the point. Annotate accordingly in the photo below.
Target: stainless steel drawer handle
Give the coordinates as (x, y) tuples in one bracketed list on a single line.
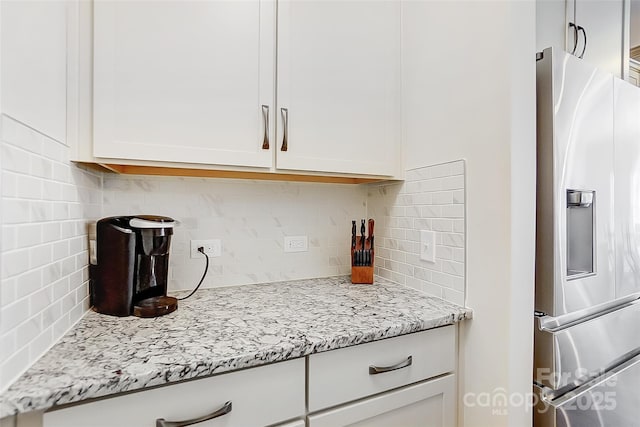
[(160, 422), (285, 129), (265, 119), (373, 370)]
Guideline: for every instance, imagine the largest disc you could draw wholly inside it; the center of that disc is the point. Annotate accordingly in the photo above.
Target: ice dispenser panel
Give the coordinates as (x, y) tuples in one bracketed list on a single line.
[(580, 233)]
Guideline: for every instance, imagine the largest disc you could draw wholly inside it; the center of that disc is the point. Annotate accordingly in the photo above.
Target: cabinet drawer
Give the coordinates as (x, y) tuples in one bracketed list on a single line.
[(259, 396), (429, 403), (343, 375)]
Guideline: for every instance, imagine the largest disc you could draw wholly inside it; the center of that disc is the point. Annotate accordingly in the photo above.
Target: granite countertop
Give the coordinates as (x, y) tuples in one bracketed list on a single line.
[(220, 330)]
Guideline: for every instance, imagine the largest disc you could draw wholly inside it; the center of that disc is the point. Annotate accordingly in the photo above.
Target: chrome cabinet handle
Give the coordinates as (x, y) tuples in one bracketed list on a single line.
[(373, 370), (265, 119), (160, 422), (285, 123)]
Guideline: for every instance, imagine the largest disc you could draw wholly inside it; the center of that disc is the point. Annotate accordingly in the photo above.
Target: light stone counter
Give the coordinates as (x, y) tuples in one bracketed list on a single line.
[(220, 330)]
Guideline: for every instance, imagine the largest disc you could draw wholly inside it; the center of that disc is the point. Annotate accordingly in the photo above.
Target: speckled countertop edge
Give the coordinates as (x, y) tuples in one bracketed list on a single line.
[(220, 330)]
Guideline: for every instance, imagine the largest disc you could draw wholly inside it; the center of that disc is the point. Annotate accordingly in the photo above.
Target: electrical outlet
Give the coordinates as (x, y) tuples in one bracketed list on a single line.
[(428, 246), (296, 244), (212, 247)]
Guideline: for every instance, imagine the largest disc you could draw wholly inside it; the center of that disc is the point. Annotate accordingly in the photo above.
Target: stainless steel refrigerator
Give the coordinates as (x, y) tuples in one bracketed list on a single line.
[(587, 320)]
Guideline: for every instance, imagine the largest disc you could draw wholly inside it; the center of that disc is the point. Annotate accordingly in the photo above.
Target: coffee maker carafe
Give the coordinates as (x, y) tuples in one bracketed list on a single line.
[(132, 263)]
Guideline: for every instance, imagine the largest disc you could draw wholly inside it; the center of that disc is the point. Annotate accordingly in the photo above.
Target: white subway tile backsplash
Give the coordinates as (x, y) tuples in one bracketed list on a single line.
[(442, 198), (15, 262), (36, 233), (28, 283), (453, 268), (27, 331), (431, 198), (8, 292), (14, 158), (453, 183), (453, 211), (441, 225), (39, 256), (8, 238), (15, 211), (13, 314), (40, 300), (9, 184), (455, 297), (41, 167), (28, 235), (453, 239), (431, 212), (41, 343), (15, 363)]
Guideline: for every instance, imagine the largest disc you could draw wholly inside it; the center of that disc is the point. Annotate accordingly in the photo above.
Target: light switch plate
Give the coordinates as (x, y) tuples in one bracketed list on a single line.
[(428, 246)]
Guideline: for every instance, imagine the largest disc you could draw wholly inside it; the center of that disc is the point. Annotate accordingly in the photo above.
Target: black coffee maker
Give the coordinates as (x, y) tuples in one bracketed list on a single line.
[(132, 265)]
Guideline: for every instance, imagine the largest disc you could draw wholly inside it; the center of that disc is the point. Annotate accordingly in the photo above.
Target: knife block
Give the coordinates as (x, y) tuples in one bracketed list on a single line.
[(362, 274)]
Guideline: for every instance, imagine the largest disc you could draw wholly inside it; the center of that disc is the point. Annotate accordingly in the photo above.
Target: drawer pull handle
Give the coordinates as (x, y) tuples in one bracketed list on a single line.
[(373, 370), (160, 422)]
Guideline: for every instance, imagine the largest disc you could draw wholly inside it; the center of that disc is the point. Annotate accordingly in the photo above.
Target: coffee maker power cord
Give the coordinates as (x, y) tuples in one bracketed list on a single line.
[(206, 269)]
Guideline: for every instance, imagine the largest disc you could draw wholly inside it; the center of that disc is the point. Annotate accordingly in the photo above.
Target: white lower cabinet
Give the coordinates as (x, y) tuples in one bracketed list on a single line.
[(427, 404), (259, 396), (405, 381), (351, 373)]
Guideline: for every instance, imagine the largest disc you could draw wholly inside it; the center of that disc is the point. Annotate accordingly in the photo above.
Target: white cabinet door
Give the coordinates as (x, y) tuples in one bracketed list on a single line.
[(184, 81), (428, 404), (260, 396), (551, 25), (34, 64), (339, 81), (602, 21)]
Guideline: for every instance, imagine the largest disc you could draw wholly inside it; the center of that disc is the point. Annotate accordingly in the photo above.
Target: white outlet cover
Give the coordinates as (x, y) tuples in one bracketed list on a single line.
[(296, 244), (428, 246), (212, 247)]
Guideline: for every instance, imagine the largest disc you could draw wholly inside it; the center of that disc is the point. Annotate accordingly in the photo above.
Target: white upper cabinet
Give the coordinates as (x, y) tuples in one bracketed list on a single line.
[(592, 29), (600, 34), (185, 81), (34, 64), (339, 86)]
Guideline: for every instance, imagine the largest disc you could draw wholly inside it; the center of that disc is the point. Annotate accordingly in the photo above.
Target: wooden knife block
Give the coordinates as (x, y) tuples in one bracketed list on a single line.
[(362, 274)]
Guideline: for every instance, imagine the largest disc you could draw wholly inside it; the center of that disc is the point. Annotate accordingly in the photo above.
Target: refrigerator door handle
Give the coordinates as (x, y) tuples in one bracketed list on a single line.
[(590, 379), (556, 324), (560, 396)]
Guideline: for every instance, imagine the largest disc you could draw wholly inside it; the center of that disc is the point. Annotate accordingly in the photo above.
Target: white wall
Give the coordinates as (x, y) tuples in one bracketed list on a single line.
[(471, 95)]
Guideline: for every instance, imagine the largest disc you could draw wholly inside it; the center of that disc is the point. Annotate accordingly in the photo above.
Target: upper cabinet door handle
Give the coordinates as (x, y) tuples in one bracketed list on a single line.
[(373, 370), (575, 37), (265, 119), (584, 48), (285, 129), (160, 422)]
